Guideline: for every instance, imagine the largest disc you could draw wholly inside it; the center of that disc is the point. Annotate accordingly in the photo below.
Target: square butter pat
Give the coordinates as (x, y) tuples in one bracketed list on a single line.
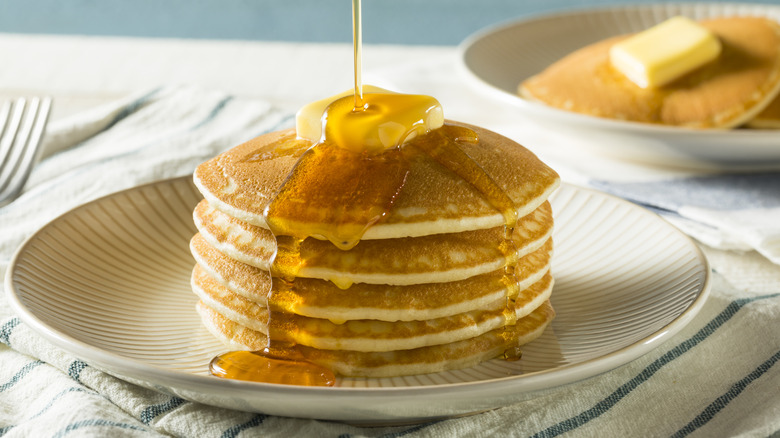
[(665, 52)]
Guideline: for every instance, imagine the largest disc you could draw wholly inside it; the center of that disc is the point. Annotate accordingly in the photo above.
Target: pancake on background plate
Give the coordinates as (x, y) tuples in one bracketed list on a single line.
[(724, 93), (769, 118), (438, 283)]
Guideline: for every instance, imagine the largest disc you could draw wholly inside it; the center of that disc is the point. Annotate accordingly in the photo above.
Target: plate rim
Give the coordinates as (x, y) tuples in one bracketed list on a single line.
[(128, 368), (587, 120)]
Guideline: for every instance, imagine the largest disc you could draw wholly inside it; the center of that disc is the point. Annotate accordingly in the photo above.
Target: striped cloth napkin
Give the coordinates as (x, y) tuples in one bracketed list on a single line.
[(725, 210), (717, 377)]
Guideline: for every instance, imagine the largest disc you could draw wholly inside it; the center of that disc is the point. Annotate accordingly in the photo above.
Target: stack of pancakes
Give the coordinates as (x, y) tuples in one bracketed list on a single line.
[(740, 88), (425, 289)]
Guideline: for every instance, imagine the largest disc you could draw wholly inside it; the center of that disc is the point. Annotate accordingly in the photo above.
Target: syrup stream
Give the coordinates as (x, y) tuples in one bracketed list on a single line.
[(357, 48)]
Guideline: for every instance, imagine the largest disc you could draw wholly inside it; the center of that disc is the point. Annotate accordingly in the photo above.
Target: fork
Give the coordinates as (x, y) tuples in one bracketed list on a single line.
[(21, 129)]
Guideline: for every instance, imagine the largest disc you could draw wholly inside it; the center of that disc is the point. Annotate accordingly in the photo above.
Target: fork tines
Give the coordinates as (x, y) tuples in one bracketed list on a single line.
[(21, 128)]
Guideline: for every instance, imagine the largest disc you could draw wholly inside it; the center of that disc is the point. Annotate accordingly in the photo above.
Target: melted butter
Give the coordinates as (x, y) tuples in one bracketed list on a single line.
[(383, 121), (347, 182), (308, 119)]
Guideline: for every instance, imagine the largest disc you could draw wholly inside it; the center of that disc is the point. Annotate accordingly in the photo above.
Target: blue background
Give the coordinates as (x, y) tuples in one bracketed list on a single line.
[(432, 22)]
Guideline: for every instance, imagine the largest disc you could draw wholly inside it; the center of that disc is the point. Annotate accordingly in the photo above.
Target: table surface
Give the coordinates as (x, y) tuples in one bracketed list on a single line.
[(81, 72)]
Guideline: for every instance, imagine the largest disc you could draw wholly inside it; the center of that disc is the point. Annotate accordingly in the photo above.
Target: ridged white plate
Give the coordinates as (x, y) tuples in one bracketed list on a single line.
[(109, 282), (497, 59)]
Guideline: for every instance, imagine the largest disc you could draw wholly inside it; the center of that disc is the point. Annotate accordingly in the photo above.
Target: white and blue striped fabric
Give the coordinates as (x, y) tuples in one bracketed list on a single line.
[(718, 377), (738, 211)]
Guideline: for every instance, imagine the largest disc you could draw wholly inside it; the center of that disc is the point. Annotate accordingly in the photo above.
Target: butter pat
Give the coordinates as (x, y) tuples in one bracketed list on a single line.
[(308, 119), (385, 120), (665, 52)]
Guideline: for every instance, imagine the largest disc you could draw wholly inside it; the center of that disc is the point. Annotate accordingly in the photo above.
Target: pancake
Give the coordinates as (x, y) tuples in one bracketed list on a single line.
[(402, 261), (769, 118), (725, 93), (422, 360), (242, 181), (322, 299)]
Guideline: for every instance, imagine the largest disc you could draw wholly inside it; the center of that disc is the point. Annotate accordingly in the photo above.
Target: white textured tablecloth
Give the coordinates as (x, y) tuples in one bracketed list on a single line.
[(718, 377)]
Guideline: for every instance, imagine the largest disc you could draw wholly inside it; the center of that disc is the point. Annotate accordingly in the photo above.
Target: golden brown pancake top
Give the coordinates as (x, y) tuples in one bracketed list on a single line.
[(433, 200)]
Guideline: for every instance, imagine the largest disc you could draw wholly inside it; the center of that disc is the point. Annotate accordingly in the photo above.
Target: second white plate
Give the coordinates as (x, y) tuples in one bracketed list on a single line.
[(109, 283), (498, 58)]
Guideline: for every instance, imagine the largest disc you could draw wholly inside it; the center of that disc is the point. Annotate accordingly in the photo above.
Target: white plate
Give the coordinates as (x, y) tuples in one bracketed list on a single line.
[(109, 283), (497, 59)]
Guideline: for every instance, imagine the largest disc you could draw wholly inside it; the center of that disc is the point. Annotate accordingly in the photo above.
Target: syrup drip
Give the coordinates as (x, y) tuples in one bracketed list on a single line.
[(512, 353), (346, 189), (341, 191), (447, 153)]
